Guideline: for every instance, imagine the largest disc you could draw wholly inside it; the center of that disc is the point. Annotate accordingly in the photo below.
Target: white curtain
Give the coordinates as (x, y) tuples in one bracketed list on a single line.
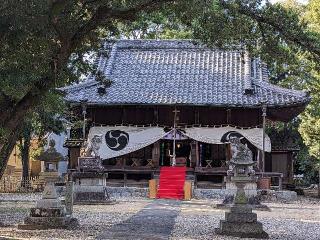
[(214, 135), (121, 140)]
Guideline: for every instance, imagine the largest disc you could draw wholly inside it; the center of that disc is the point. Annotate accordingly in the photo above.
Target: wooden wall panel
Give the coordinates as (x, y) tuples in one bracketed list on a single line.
[(163, 115)]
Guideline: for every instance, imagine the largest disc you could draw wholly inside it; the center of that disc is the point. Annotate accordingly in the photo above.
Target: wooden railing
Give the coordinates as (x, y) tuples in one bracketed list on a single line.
[(12, 184)]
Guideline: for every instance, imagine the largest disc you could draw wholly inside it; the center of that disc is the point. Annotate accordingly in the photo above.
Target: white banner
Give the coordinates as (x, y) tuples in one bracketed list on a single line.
[(215, 135), (117, 141)]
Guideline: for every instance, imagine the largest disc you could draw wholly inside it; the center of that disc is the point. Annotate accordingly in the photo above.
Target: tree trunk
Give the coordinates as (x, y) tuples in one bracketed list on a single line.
[(25, 153), (6, 148), (319, 183), (12, 121)]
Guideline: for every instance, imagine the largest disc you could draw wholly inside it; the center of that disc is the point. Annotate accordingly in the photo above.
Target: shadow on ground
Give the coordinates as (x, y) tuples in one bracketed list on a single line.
[(155, 221)]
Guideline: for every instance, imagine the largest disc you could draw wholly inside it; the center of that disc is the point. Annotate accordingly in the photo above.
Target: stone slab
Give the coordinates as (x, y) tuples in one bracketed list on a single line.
[(47, 212), (87, 196), (241, 208), (42, 223), (48, 203), (243, 230), (93, 202), (286, 195), (127, 192), (84, 188), (258, 235), (92, 182), (241, 217), (258, 207)]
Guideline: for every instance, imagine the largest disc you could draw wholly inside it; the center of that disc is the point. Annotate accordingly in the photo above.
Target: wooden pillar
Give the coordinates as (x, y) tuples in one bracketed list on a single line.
[(124, 116), (123, 163), (228, 116), (124, 179), (290, 167), (228, 153), (155, 115), (156, 153), (74, 154), (84, 114), (197, 154), (259, 160), (196, 116), (264, 114), (194, 154), (280, 182)]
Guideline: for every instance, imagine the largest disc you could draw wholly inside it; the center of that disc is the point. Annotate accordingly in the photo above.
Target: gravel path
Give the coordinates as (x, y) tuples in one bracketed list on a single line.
[(165, 219), (155, 221)]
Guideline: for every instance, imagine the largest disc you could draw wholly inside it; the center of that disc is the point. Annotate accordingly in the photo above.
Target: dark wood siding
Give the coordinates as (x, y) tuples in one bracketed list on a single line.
[(212, 116), (163, 115)]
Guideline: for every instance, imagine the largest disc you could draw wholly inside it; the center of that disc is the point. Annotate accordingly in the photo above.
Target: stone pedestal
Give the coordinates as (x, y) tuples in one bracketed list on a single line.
[(48, 213), (90, 188), (241, 222), (49, 177), (250, 188)]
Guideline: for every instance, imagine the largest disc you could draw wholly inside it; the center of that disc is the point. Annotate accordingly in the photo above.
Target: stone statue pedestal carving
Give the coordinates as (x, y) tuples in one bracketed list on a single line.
[(48, 212)]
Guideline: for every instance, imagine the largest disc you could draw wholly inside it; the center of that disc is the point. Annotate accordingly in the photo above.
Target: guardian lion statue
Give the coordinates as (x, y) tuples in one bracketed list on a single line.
[(91, 149)]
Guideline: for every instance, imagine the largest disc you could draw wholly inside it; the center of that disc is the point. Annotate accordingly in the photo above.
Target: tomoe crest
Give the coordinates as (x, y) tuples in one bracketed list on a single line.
[(117, 140)]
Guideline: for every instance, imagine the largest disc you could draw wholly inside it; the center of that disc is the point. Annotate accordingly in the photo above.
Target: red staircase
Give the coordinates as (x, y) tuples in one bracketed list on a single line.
[(171, 182)]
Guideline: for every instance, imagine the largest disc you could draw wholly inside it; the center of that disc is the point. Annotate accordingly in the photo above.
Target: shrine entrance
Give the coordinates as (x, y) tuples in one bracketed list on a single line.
[(182, 150)]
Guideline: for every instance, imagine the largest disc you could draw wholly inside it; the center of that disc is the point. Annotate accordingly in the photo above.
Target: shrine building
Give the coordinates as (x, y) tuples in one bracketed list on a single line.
[(174, 102)]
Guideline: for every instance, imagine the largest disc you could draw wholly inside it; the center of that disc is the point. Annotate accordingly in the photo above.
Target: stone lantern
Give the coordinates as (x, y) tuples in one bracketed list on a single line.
[(241, 168), (241, 221), (50, 159)]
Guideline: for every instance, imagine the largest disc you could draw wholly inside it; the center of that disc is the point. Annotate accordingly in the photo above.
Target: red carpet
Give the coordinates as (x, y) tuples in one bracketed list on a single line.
[(171, 182)]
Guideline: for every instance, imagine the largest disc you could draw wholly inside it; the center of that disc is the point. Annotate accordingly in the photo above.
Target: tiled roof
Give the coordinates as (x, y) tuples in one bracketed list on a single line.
[(160, 72)]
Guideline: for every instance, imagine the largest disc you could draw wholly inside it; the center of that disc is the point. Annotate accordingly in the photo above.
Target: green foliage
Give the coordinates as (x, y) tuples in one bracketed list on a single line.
[(302, 72), (45, 44), (310, 119)]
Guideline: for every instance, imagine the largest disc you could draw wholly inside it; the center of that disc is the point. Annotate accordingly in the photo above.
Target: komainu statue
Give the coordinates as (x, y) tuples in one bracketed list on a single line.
[(91, 149), (241, 155)]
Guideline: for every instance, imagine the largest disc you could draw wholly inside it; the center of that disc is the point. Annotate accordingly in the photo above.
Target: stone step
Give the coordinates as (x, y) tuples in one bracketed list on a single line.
[(240, 227), (241, 217), (241, 208), (32, 223)]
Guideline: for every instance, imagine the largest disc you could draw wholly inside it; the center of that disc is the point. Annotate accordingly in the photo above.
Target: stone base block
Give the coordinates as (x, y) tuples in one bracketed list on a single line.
[(48, 203), (241, 229), (260, 207), (241, 208), (91, 202), (286, 196), (47, 212), (33, 223), (241, 217), (91, 198), (241, 222)]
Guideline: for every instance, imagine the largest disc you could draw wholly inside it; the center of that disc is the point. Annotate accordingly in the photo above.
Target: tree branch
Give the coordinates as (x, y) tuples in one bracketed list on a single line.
[(304, 42), (104, 14)]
